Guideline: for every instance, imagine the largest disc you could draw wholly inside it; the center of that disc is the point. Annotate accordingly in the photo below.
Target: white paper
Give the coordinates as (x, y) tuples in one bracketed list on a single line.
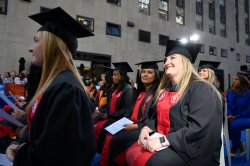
[(9, 118), (118, 125), (157, 135), (4, 160), (12, 105)]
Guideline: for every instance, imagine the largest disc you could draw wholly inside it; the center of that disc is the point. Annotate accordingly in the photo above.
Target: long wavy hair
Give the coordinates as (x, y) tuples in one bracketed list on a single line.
[(188, 75), (57, 58), (151, 91), (244, 85)]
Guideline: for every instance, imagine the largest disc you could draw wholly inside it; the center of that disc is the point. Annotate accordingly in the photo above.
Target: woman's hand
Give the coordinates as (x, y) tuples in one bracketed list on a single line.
[(144, 136), (231, 118), (129, 127), (153, 144), (11, 151)]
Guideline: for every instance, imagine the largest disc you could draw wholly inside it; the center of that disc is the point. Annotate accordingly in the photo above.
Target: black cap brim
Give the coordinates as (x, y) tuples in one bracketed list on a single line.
[(122, 66), (209, 64), (149, 64)]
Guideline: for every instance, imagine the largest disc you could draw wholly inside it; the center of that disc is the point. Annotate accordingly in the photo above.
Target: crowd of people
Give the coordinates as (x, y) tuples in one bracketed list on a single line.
[(177, 116)]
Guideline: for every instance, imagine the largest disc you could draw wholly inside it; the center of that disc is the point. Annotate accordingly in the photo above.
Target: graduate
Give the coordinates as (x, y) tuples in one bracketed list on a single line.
[(186, 117), (59, 115), (119, 104), (148, 82), (207, 71)]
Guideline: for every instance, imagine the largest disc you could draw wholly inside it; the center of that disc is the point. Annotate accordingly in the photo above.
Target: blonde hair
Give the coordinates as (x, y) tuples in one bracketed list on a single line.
[(57, 58), (188, 75), (211, 76)]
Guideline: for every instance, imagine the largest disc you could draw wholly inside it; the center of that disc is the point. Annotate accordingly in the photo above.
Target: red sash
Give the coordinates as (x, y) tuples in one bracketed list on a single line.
[(137, 155), (137, 106), (165, 102), (98, 127), (115, 96), (105, 150)]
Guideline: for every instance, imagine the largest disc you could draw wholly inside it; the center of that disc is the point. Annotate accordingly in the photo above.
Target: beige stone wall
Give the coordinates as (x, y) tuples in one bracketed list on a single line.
[(17, 30)]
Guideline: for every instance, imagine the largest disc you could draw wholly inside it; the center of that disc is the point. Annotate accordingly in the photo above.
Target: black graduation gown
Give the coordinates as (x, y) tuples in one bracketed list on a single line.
[(124, 139), (195, 127), (61, 131), (122, 105)]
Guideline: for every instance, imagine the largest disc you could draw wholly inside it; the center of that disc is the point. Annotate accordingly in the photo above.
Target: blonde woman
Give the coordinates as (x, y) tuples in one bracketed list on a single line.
[(207, 71), (188, 115), (59, 115)]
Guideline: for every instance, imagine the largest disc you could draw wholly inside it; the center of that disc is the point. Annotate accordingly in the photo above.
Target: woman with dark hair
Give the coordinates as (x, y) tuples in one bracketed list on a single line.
[(238, 111), (115, 147), (119, 103)]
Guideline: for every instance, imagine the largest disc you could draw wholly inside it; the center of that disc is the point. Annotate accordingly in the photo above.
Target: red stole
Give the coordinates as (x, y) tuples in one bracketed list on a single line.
[(136, 154), (114, 98), (165, 102), (137, 106)]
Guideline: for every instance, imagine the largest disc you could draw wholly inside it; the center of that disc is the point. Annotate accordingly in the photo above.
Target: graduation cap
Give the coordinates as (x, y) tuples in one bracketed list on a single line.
[(122, 66), (149, 64), (209, 65), (189, 50), (61, 24)]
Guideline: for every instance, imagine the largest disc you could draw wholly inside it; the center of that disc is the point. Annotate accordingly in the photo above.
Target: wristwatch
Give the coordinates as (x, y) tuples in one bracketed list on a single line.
[(163, 141)]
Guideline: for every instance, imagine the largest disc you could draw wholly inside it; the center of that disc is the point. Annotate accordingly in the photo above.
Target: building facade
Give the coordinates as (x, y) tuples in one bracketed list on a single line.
[(135, 31)]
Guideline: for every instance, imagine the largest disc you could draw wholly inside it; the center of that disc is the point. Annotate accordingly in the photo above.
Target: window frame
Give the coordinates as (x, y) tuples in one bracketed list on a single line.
[(142, 10), (88, 19), (140, 34), (5, 11), (118, 3), (163, 14), (113, 34)]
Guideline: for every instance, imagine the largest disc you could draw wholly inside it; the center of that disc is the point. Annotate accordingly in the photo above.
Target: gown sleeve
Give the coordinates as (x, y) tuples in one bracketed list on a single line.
[(204, 121), (61, 130)]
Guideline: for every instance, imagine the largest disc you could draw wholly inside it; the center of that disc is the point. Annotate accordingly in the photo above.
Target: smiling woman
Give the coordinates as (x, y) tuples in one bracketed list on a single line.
[(183, 113)]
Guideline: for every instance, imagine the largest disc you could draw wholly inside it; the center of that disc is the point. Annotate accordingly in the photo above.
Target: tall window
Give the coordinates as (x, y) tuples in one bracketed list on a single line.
[(212, 17), (86, 22), (199, 14), (116, 2), (163, 9), (113, 29), (144, 6), (3, 6), (248, 59), (237, 57), (212, 51), (180, 12), (237, 21), (223, 31), (247, 22)]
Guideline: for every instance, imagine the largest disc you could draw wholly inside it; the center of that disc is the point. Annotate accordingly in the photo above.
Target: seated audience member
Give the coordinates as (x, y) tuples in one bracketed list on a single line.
[(20, 134), (238, 110), (7, 78), (207, 71), (148, 82), (20, 80), (186, 117), (119, 104)]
